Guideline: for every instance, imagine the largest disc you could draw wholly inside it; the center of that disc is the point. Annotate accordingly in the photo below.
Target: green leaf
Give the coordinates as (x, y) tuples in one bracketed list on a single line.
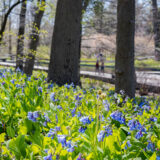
[(10, 131), (123, 134)]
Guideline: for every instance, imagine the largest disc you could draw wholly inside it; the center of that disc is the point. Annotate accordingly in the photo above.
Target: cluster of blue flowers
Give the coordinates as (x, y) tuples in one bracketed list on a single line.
[(150, 146), (153, 119), (33, 116), (118, 117), (135, 125), (85, 120), (104, 133), (52, 97)]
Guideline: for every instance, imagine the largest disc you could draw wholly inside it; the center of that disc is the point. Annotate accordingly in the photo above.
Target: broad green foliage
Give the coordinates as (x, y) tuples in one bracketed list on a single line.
[(43, 121)]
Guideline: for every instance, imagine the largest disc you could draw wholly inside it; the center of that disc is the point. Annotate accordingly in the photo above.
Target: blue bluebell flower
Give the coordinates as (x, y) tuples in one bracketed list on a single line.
[(56, 118), (122, 92), (73, 111), (51, 133), (31, 116), (128, 144), (139, 134), (35, 114), (158, 158), (12, 81), (62, 139), (40, 89), (118, 117), (150, 146), (59, 107), (50, 86), (115, 95), (71, 149), (18, 70), (67, 86), (46, 150), (134, 125), (4, 76), (78, 97), (45, 123), (85, 120), (46, 117), (49, 157), (79, 114), (18, 86), (57, 128), (79, 157), (108, 130), (147, 107), (29, 79), (52, 96), (104, 133), (140, 113), (82, 129), (68, 144), (101, 136), (106, 105), (84, 92), (154, 119)]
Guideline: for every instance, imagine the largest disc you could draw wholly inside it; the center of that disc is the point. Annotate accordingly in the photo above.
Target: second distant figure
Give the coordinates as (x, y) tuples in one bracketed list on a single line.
[(102, 67), (97, 66)]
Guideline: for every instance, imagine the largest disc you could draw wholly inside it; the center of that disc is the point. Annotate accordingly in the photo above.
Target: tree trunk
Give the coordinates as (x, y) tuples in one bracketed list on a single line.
[(10, 38), (124, 67), (64, 64), (34, 37), (4, 22), (20, 41), (156, 29)]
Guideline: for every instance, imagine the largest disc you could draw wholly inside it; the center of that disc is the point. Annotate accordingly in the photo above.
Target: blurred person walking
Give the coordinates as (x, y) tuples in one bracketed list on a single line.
[(97, 66)]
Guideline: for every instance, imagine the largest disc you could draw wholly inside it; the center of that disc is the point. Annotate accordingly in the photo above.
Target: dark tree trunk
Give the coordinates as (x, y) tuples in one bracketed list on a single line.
[(124, 68), (10, 38), (20, 41), (4, 22), (156, 29), (64, 64), (34, 38)]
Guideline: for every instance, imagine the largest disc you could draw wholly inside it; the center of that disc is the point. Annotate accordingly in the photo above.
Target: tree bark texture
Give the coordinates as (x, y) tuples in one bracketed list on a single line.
[(34, 37), (64, 64), (124, 67), (156, 29), (20, 41)]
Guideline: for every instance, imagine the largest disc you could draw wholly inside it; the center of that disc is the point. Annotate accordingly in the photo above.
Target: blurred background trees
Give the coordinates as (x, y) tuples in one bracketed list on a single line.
[(30, 30)]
